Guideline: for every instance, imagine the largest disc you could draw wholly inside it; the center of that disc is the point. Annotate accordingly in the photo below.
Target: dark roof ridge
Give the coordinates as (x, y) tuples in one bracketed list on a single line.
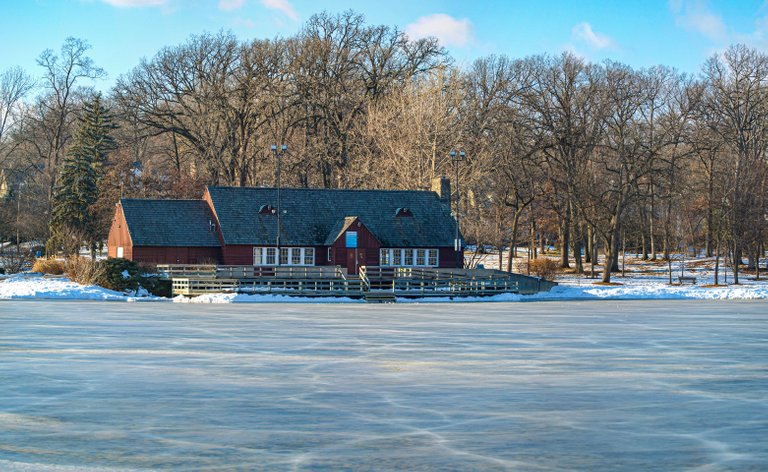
[(163, 199), (323, 189)]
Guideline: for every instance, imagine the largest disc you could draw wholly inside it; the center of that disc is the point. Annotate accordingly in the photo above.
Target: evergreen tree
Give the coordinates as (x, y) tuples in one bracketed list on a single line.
[(72, 216)]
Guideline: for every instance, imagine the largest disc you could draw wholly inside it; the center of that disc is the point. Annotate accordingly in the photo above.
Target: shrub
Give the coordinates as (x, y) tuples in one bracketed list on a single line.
[(84, 270), (543, 267), (48, 266), (14, 262), (121, 274)]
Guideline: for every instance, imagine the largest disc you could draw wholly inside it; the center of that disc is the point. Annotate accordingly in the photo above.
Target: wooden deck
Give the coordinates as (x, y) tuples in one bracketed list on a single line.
[(374, 284)]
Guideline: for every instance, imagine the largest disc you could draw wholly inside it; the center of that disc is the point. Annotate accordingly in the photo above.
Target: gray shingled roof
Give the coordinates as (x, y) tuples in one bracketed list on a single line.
[(169, 222), (310, 216)]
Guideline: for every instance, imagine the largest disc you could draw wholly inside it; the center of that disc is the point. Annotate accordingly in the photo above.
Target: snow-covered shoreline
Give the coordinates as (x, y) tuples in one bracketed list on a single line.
[(37, 287)]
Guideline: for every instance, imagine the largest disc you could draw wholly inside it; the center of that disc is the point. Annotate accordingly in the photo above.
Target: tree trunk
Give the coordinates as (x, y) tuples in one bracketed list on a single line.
[(717, 263), (513, 245), (576, 238), (710, 214), (615, 251), (610, 257), (566, 225), (651, 229)]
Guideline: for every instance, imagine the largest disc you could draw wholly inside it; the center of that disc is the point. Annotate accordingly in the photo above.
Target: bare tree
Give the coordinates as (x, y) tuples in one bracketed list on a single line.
[(63, 77), (737, 97), (566, 110)]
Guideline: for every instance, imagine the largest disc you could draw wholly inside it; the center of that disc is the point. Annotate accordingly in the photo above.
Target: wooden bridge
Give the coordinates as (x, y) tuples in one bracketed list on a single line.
[(374, 284)]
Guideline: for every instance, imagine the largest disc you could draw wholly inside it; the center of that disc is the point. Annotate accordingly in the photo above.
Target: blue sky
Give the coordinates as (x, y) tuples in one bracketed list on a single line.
[(678, 33)]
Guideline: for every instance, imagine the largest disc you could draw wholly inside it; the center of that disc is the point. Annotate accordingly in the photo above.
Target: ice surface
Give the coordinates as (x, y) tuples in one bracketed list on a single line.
[(661, 385)]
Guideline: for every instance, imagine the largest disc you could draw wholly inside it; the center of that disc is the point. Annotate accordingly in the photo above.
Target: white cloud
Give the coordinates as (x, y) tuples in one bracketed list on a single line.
[(583, 32), (245, 23), (135, 3), (448, 30), (229, 5), (695, 15), (282, 6)]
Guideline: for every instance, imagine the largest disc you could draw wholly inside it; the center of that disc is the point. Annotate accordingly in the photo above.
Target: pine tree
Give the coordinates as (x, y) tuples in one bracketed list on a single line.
[(72, 217)]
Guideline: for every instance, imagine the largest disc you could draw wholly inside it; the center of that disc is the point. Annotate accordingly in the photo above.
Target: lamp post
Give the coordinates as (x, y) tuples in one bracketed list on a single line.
[(278, 154), (457, 157)]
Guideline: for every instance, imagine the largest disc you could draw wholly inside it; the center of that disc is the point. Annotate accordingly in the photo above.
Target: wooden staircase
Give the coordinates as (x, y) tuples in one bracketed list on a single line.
[(379, 296)]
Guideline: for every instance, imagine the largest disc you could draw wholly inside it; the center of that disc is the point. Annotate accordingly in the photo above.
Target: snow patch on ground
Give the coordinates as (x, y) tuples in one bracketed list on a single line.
[(629, 292), (35, 286)]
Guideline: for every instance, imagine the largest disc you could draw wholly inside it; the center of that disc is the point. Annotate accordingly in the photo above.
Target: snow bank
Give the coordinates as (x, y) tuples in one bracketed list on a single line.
[(35, 286), (620, 292), (651, 291)]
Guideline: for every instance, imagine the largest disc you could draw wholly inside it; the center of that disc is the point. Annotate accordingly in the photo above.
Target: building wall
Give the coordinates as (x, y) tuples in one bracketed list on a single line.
[(243, 255), (237, 255), (447, 258), (177, 255), (214, 216), (118, 235), (366, 242)]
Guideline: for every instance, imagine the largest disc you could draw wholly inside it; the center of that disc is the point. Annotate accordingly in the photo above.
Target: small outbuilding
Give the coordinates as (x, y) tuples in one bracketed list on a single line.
[(300, 227)]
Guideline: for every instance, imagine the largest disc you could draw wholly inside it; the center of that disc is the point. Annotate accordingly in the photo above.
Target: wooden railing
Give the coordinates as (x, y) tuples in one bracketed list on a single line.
[(333, 281), (273, 285), (249, 272)]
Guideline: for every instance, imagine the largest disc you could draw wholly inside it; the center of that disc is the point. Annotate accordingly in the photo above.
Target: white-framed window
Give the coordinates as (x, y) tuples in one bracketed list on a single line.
[(284, 255), (309, 256), (432, 257), (120, 251), (330, 255), (289, 256), (409, 257), (397, 257), (384, 257), (421, 257), (270, 256)]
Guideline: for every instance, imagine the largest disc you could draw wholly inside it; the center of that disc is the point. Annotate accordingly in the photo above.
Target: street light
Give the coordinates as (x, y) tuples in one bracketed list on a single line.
[(457, 157), (278, 154)]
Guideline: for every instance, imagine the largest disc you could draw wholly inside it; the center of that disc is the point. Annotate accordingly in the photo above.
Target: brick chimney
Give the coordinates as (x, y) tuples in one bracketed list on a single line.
[(442, 187)]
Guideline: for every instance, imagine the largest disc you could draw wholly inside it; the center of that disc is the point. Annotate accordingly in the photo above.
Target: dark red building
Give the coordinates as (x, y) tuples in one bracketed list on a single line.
[(239, 226)]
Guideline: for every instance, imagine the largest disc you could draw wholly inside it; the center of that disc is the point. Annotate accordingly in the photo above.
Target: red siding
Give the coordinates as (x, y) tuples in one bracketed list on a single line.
[(237, 255), (177, 255), (118, 235), (447, 258), (219, 234), (366, 243)]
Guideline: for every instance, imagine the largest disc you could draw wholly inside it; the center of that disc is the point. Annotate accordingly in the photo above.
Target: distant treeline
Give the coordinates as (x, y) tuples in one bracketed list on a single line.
[(558, 150)]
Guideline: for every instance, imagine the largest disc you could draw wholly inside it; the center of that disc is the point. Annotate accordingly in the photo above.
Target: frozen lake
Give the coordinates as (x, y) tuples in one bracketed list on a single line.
[(652, 385)]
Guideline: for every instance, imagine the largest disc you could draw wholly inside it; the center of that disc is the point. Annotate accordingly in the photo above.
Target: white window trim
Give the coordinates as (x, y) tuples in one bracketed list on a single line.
[(262, 251), (414, 257)]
